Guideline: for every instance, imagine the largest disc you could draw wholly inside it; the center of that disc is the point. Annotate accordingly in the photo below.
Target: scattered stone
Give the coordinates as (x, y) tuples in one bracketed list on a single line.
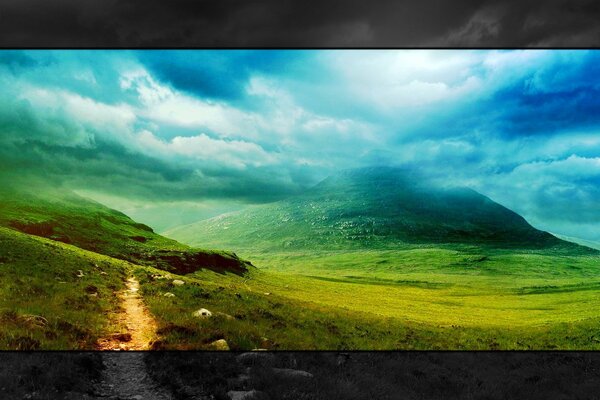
[(202, 313), (247, 395), (267, 293), (103, 273), (291, 373), (80, 273), (178, 282), (169, 294), (220, 344), (255, 358)]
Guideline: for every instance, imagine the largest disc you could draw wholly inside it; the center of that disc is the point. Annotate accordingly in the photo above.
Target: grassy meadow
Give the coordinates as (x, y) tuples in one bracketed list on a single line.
[(410, 299), (55, 296), (63, 259)]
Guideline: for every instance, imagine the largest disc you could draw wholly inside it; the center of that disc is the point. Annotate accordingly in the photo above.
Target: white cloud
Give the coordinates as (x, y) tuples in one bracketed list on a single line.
[(87, 116), (229, 153)]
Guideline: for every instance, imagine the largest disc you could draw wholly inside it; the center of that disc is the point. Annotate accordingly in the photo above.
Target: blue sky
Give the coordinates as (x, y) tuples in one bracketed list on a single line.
[(187, 134)]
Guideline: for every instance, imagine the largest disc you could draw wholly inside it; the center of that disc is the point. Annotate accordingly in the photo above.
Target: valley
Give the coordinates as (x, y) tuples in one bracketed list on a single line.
[(332, 269)]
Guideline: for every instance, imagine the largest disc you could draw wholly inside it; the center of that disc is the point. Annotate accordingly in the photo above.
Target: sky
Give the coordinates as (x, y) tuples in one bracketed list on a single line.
[(171, 137), (285, 23)]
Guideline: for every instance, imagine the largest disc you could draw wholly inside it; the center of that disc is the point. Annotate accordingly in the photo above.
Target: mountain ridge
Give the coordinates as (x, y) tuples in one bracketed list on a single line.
[(371, 207)]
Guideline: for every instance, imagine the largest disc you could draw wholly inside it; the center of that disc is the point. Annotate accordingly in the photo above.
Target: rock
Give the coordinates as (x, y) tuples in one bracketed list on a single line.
[(220, 344), (247, 395), (137, 397), (202, 313), (267, 293), (178, 282), (169, 294), (291, 373), (80, 273), (255, 358)]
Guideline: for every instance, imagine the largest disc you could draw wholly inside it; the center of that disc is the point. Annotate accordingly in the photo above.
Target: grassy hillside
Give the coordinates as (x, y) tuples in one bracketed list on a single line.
[(65, 217), (54, 295), (368, 209), (440, 268), (434, 299)]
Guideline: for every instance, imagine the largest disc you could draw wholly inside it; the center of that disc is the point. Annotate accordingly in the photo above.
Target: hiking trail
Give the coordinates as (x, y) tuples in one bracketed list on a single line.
[(141, 326)]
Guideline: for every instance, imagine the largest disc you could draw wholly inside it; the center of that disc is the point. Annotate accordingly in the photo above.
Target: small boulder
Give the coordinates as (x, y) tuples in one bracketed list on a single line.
[(177, 282), (80, 273), (220, 344), (247, 395), (169, 294), (267, 293), (202, 313)]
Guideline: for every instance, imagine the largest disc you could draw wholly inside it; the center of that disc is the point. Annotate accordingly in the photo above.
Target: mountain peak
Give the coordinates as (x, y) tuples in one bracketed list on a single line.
[(373, 207)]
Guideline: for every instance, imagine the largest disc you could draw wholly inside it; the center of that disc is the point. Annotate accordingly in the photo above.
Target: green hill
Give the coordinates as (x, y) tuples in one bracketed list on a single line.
[(54, 295), (66, 217), (371, 208)]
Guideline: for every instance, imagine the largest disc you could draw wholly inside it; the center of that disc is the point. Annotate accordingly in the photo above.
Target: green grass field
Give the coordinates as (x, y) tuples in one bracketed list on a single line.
[(410, 299), (55, 296), (55, 293)]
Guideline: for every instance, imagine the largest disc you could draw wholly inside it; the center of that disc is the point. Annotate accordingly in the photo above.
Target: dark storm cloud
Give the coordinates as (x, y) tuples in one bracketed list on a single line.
[(334, 23), (218, 75)]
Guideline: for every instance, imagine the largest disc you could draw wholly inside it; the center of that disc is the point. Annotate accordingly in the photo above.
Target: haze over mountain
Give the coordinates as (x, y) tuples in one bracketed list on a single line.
[(370, 208)]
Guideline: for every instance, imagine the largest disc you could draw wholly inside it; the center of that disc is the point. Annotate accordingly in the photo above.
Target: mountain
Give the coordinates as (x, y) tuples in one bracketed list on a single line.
[(370, 208), (65, 217)]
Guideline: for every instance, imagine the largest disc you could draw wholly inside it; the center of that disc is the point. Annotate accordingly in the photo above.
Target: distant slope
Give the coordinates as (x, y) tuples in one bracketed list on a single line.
[(66, 217), (582, 242), (370, 208)]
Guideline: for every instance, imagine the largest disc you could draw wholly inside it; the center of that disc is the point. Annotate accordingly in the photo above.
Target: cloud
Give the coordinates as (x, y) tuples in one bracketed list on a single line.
[(233, 153), (519, 126)]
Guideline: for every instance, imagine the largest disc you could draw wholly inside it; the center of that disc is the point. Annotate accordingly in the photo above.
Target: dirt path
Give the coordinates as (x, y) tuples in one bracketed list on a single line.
[(141, 326), (125, 378)]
